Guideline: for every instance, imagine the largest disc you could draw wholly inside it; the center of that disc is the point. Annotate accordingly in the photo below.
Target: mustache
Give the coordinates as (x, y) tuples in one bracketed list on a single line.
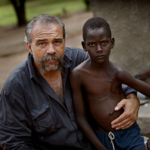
[(50, 57)]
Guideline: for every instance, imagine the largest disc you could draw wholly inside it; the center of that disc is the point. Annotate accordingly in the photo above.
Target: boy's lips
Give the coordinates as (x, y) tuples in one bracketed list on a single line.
[(100, 56)]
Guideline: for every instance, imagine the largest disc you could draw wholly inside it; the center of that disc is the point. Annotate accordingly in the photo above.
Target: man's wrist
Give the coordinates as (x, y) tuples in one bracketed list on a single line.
[(131, 95)]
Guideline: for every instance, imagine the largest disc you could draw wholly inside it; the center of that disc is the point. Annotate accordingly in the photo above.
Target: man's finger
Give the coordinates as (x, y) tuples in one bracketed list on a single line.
[(119, 125), (124, 124), (118, 120), (127, 125), (120, 105)]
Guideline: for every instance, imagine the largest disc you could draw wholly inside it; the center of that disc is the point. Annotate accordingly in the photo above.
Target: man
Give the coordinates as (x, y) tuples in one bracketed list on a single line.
[(36, 110)]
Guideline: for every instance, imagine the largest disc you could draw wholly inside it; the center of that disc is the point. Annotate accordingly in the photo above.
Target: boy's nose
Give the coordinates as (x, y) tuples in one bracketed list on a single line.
[(99, 48)]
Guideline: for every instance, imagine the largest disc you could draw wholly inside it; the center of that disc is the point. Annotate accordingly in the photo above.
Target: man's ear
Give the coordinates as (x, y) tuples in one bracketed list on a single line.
[(112, 43), (28, 45), (83, 45)]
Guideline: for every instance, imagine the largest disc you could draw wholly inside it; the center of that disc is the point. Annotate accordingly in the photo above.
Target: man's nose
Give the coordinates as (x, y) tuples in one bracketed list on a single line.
[(51, 49), (99, 48)]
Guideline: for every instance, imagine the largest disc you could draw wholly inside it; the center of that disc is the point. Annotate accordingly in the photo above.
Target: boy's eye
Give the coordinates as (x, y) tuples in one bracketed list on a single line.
[(92, 44), (104, 43)]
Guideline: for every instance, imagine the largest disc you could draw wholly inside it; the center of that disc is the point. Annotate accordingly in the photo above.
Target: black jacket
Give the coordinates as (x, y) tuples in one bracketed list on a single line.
[(31, 115)]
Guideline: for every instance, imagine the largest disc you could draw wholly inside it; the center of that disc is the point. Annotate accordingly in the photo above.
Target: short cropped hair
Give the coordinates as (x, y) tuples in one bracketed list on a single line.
[(95, 23), (43, 19)]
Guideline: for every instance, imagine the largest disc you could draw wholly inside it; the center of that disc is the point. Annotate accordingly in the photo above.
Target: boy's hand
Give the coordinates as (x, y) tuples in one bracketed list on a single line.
[(130, 114)]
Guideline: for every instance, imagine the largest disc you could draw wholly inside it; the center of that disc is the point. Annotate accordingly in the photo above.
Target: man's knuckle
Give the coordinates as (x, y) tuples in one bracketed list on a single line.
[(128, 115), (131, 117)]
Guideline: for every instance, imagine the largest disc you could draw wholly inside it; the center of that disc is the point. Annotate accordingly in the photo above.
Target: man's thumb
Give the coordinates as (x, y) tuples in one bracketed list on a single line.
[(120, 105)]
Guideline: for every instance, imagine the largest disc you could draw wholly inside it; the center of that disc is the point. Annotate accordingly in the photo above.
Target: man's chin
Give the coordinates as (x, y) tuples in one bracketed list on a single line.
[(51, 67)]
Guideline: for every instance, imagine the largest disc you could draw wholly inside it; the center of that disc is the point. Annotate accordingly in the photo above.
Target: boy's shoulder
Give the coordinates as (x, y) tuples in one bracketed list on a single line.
[(117, 70), (80, 69), (115, 67)]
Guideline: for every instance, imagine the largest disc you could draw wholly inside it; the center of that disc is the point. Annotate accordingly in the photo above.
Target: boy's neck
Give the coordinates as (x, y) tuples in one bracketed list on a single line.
[(99, 66)]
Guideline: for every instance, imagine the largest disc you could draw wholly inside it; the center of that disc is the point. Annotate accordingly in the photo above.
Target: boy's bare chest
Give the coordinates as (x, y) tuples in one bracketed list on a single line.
[(101, 84), (96, 84)]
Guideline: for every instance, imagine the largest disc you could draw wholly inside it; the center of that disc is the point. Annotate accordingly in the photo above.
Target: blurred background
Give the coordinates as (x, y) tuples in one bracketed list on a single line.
[(129, 21)]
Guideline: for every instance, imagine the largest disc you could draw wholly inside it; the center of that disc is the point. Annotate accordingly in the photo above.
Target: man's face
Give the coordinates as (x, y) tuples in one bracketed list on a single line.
[(98, 44), (47, 46)]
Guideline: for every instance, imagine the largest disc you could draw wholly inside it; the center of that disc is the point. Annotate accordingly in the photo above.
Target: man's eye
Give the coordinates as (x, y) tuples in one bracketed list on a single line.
[(42, 44), (57, 42)]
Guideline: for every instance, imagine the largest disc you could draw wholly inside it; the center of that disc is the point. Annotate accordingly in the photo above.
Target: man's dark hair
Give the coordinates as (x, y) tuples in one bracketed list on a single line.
[(95, 23)]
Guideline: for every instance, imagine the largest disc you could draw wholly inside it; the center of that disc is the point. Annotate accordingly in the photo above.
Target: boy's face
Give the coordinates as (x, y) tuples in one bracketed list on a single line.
[(98, 44)]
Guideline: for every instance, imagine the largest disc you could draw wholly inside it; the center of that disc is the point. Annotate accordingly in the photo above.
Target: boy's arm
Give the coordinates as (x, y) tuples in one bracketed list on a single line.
[(126, 78), (80, 110)]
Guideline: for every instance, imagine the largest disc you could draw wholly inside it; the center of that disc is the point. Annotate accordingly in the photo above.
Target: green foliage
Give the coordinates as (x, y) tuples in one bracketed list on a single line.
[(7, 15), (37, 7)]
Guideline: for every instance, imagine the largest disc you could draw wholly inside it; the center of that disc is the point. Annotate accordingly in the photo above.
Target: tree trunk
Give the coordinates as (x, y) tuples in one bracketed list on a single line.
[(130, 24), (19, 6), (87, 3)]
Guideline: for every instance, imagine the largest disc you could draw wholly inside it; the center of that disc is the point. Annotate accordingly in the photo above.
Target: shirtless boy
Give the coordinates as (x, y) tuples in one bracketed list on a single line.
[(98, 82)]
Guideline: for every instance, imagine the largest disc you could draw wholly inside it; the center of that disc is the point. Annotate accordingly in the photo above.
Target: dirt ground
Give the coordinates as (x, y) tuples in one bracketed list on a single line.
[(13, 50)]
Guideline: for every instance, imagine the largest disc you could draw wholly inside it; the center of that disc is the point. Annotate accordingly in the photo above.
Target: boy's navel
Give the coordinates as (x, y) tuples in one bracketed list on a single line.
[(111, 112)]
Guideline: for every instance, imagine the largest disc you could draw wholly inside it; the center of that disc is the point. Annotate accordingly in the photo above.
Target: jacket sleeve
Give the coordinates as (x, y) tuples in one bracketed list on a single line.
[(77, 55), (127, 90), (15, 123)]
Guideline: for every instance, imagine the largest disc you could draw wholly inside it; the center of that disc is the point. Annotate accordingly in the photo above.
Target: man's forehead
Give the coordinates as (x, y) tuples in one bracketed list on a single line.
[(47, 30), (38, 25)]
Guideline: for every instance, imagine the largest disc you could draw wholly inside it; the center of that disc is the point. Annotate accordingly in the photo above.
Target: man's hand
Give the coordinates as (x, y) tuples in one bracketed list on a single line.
[(131, 107)]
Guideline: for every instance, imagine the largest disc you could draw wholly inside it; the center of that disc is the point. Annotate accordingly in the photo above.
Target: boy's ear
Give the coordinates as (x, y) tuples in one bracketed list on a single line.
[(112, 43), (83, 45), (28, 45)]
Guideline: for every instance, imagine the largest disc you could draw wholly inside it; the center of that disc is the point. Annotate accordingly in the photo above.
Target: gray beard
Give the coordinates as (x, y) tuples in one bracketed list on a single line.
[(51, 67)]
